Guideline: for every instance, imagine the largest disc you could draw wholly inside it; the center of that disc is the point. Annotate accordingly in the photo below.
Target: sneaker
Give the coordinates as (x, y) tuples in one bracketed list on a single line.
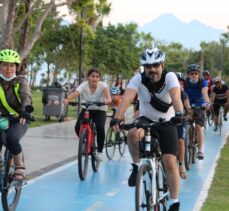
[(174, 207), (133, 176), (200, 155), (225, 117), (99, 156), (216, 128)]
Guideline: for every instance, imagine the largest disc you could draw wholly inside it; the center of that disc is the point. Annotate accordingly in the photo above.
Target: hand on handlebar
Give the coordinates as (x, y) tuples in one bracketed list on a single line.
[(114, 123)]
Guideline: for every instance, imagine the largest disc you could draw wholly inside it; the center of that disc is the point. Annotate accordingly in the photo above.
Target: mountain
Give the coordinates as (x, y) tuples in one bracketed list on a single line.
[(169, 28)]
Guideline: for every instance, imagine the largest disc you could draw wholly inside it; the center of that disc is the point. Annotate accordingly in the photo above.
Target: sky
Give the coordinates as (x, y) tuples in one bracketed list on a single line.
[(214, 13)]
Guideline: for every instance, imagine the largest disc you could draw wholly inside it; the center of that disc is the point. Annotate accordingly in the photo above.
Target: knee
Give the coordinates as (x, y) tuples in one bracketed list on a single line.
[(170, 162)]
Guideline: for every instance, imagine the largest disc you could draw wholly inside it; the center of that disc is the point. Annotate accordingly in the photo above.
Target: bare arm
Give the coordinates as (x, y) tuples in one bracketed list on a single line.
[(175, 94), (212, 97), (205, 94), (227, 94), (107, 95), (127, 98), (71, 97)]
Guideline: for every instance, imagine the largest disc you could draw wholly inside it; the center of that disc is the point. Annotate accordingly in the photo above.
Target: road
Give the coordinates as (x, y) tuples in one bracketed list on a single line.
[(61, 189)]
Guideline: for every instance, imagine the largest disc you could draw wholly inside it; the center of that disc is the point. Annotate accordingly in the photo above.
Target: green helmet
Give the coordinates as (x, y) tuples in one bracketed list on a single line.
[(10, 56)]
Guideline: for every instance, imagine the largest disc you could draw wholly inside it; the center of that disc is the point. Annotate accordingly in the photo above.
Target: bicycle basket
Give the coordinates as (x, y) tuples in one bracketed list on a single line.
[(4, 124)]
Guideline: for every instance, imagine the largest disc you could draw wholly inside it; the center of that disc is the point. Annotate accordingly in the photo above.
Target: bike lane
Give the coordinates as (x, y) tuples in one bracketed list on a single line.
[(61, 189)]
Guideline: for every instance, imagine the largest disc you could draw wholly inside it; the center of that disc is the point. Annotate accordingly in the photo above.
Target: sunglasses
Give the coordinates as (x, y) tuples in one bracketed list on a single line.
[(194, 73), (148, 66)]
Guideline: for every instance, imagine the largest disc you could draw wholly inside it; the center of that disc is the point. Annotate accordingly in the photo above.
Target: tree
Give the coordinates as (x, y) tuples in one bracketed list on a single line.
[(12, 22)]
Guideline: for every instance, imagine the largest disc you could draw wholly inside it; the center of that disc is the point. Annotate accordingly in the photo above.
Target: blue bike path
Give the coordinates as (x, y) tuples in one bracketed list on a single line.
[(107, 190)]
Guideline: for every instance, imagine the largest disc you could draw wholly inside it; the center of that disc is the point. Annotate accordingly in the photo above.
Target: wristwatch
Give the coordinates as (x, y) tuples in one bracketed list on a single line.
[(178, 113)]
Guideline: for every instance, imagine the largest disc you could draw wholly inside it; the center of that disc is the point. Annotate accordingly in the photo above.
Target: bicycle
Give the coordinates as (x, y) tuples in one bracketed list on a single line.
[(87, 141), (114, 139), (151, 191), (10, 188), (191, 143), (220, 117)]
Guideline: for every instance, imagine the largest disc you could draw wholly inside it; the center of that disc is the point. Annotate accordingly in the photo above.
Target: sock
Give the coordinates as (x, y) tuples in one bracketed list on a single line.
[(172, 201)]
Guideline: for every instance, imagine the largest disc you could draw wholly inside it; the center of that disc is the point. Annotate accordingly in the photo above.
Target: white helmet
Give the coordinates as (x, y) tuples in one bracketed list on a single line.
[(152, 56)]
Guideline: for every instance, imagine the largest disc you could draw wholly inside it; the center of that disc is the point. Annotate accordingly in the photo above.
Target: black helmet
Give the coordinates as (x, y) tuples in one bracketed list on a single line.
[(205, 72), (180, 76), (193, 67)]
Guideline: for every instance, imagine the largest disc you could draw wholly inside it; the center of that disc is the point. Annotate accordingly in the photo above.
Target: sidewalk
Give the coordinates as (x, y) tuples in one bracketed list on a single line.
[(50, 146)]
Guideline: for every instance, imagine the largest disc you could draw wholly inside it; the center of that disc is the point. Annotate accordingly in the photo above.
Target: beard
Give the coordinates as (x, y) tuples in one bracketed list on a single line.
[(154, 77)]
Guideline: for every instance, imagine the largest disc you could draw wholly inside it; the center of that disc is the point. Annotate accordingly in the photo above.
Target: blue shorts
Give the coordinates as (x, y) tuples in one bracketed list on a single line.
[(181, 131)]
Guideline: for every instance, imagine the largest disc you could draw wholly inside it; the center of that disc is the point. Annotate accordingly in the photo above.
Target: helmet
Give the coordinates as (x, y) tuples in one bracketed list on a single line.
[(193, 67), (205, 72), (115, 91), (8, 55), (152, 56), (180, 76), (217, 79)]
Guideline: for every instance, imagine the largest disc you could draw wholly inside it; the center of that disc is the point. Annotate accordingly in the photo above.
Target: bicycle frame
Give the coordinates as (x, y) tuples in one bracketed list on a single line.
[(152, 163), (87, 124)]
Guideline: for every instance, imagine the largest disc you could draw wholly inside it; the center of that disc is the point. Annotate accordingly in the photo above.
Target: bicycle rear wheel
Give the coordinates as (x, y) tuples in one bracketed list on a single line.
[(110, 143), (143, 191), (11, 189), (121, 142), (188, 146), (82, 154), (94, 159)]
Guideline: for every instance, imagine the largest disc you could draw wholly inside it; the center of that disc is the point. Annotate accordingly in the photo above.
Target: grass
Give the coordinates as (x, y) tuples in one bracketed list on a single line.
[(218, 196), (38, 111)]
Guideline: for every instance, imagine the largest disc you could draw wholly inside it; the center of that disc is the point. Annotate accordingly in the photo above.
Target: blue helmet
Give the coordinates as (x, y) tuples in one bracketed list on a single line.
[(115, 91)]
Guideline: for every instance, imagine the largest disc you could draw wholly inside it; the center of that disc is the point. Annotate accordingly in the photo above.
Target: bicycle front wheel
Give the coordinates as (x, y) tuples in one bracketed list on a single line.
[(82, 154), (220, 122), (11, 189), (121, 141), (94, 158), (143, 191), (110, 143), (188, 146)]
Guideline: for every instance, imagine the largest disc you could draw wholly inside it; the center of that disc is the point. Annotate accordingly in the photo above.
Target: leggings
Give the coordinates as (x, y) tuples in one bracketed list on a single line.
[(13, 136), (99, 118)]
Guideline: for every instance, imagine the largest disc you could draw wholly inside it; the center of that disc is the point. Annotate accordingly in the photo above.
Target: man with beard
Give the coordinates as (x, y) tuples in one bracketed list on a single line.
[(159, 97)]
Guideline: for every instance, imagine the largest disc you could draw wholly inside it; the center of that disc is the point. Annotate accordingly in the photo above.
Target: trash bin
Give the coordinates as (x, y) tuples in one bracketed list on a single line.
[(53, 105)]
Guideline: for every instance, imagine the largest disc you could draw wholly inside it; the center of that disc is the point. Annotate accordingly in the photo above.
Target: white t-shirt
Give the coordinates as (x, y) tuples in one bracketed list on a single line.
[(145, 107), (97, 96)]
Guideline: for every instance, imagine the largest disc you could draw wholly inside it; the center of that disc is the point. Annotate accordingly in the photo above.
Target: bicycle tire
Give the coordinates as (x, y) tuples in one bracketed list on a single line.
[(143, 191), (220, 122), (188, 147), (11, 189), (82, 154), (94, 159), (162, 188), (121, 141), (210, 119), (110, 143)]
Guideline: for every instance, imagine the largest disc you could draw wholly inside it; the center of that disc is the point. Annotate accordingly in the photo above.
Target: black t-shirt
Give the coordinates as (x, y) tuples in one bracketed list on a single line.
[(220, 93)]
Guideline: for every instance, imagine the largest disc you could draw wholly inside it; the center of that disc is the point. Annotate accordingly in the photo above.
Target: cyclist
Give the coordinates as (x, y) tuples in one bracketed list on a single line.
[(181, 128), (197, 90), (93, 90), (206, 76), (115, 98), (159, 97), (15, 96), (220, 96), (119, 84)]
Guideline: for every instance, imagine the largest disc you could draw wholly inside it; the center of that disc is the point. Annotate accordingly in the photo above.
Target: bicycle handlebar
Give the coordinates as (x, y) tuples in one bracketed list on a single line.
[(87, 104)]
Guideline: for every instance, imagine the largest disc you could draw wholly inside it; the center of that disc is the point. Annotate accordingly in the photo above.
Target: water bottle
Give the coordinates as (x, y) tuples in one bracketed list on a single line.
[(147, 140)]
